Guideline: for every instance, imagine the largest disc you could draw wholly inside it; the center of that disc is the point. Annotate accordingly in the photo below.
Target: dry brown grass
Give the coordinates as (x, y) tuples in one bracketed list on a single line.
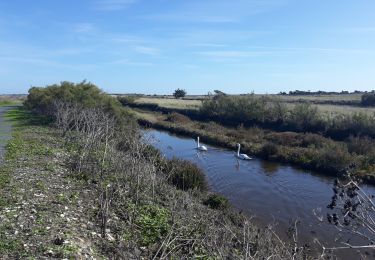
[(171, 103), (343, 97), (339, 109), (329, 109), (152, 117)]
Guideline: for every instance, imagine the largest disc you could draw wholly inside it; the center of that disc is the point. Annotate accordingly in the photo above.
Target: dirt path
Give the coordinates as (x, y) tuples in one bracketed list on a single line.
[(5, 128), (44, 213)]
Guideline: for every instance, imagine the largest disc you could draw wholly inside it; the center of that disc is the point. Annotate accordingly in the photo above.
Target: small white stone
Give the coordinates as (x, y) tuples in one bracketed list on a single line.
[(110, 237)]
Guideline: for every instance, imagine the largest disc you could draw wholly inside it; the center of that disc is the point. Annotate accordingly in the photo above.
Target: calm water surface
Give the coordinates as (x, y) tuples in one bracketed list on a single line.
[(272, 192)]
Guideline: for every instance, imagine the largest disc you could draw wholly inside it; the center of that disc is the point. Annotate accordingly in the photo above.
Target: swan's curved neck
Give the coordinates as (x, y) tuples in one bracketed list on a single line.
[(198, 141), (238, 150)]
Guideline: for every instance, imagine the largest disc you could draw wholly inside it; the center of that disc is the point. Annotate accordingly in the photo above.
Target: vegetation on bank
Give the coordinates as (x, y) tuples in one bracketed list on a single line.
[(300, 135), (44, 100), (270, 113), (110, 195), (275, 115), (308, 150), (368, 99), (179, 93), (7, 102), (42, 213)]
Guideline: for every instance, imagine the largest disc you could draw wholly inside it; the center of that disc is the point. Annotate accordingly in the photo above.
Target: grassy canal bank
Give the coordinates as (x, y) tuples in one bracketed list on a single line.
[(121, 200), (307, 150)]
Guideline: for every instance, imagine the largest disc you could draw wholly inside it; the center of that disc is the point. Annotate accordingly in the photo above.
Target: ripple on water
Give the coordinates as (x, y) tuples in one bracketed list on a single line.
[(270, 191)]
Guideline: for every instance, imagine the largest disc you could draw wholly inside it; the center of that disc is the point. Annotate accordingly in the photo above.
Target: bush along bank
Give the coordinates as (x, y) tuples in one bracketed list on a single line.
[(307, 150), (132, 203), (272, 114)]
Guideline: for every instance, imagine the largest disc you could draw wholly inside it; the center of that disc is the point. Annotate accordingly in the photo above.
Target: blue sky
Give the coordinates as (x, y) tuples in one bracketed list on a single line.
[(156, 46)]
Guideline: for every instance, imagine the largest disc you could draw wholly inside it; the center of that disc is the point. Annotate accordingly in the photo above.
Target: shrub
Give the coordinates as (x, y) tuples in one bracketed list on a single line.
[(314, 140), (42, 100), (154, 156), (216, 201), (361, 145), (179, 93), (178, 118), (185, 175), (368, 99), (126, 100), (153, 223), (334, 159), (285, 138), (305, 117), (269, 150)]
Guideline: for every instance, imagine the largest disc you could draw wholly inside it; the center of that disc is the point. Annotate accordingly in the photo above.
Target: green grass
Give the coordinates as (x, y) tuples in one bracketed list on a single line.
[(152, 221), (19, 116), (10, 102), (18, 147)]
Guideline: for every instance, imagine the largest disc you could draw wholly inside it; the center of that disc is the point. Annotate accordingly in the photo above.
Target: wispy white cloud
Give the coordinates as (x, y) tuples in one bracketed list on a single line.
[(211, 37), (232, 54), (131, 63), (191, 17), (84, 27), (215, 11), (125, 39), (113, 5), (209, 45), (321, 50), (147, 50), (45, 62)]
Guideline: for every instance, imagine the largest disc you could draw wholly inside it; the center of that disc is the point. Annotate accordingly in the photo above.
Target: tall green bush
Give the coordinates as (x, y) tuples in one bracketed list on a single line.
[(41, 100), (185, 175)]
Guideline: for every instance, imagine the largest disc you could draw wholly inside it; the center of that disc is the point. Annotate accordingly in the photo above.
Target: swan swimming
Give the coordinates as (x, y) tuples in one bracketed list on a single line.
[(241, 156), (200, 147)]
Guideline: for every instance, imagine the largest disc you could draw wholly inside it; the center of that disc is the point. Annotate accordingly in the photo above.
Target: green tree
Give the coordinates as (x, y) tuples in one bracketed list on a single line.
[(179, 93)]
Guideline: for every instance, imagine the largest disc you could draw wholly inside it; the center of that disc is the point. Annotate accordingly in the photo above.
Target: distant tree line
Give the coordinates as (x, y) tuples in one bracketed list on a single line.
[(320, 92)]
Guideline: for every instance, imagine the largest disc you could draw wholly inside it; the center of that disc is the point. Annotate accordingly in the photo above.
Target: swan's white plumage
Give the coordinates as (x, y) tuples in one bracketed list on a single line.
[(241, 156), (200, 147)]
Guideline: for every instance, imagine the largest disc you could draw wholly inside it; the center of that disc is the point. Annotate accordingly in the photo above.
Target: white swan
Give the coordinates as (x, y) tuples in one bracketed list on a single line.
[(241, 156), (200, 147)]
